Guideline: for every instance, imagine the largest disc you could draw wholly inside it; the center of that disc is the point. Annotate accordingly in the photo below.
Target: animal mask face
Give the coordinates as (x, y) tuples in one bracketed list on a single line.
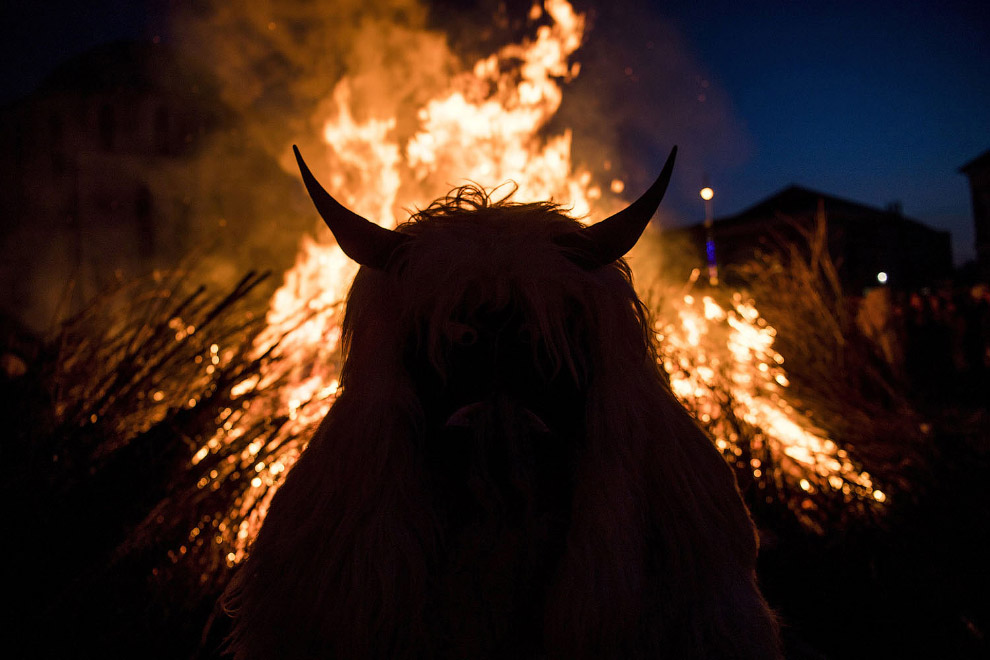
[(490, 325), (505, 472)]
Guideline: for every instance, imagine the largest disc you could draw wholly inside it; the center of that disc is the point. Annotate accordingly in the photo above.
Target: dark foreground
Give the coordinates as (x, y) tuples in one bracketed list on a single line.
[(914, 584)]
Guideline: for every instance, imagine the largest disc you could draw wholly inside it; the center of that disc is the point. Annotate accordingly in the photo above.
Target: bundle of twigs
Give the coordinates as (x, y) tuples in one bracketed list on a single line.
[(132, 383), (835, 371)]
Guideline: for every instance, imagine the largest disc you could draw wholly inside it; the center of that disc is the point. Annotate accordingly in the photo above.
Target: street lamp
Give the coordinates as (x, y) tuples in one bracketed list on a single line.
[(707, 194)]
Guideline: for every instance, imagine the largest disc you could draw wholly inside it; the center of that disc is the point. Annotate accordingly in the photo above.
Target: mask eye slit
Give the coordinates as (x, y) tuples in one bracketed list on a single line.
[(462, 334)]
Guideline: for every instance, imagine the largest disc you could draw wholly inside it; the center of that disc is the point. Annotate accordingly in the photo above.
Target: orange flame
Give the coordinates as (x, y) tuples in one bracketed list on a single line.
[(486, 128)]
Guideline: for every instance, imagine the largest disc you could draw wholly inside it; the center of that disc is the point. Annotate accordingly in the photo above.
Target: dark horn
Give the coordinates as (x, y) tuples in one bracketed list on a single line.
[(607, 241), (363, 241)]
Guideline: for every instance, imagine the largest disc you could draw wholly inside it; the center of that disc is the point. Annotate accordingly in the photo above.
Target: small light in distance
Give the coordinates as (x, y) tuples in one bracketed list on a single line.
[(882, 277), (707, 193)]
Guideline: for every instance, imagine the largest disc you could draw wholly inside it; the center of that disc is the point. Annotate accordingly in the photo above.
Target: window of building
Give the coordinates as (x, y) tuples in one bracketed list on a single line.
[(56, 144), (107, 127), (144, 222)]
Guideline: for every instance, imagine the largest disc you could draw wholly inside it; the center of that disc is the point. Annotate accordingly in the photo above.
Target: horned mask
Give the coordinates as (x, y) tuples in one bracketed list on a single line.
[(505, 473)]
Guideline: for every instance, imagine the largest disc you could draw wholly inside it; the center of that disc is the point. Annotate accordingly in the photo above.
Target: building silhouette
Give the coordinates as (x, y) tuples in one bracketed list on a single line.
[(863, 241), (978, 172), (80, 160)]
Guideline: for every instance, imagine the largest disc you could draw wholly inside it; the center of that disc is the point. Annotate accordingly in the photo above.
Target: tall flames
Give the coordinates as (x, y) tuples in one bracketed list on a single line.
[(486, 128)]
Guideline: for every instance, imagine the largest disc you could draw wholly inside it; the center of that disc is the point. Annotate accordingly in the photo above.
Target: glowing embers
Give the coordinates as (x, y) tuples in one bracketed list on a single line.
[(723, 366)]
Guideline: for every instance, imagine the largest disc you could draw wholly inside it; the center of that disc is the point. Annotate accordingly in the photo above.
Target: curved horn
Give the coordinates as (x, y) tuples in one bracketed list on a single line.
[(607, 241), (363, 241)]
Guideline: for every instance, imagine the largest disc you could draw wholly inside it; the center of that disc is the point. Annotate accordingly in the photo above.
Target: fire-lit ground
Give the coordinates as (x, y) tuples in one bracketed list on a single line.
[(176, 419)]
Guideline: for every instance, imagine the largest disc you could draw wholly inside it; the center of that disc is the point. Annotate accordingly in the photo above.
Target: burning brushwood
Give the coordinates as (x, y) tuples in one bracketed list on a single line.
[(490, 126), (258, 400), (505, 472)]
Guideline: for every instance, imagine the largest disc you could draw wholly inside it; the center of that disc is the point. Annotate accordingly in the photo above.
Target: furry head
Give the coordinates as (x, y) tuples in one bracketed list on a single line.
[(505, 472)]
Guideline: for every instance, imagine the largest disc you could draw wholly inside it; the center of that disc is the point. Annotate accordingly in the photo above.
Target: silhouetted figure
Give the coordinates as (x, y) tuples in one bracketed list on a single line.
[(505, 473)]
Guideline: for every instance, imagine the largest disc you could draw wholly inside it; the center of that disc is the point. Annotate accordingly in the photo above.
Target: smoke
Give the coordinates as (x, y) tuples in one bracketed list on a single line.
[(278, 63), (275, 67), (278, 66), (641, 90)]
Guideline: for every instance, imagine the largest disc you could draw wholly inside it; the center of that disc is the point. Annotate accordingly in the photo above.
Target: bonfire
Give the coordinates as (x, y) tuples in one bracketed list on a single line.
[(243, 392)]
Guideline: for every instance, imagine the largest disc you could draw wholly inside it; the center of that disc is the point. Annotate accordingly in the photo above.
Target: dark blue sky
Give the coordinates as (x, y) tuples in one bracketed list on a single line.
[(37, 35), (872, 101)]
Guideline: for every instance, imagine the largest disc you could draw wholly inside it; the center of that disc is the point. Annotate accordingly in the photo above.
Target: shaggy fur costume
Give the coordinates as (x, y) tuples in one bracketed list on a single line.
[(505, 473)]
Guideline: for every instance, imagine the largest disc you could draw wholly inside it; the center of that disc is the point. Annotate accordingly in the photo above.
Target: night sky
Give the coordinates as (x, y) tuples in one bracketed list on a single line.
[(872, 101)]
